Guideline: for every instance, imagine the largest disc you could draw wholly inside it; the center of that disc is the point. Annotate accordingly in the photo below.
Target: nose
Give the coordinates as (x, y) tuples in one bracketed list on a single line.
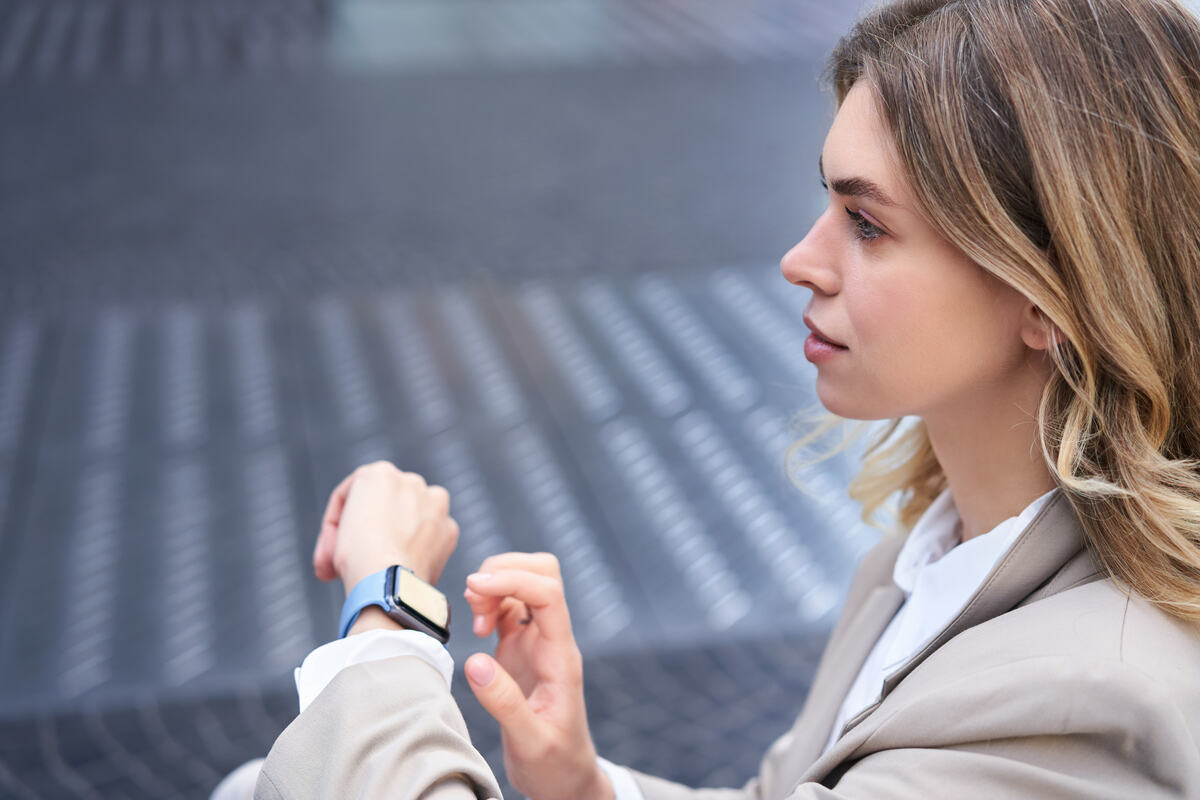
[(811, 262)]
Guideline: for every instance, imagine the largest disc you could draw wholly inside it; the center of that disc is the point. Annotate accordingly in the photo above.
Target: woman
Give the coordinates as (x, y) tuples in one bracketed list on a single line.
[(1011, 254)]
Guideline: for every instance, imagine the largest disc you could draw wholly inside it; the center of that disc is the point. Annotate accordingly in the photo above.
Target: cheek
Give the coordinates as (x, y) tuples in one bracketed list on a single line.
[(920, 342), (894, 316), (883, 372), (896, 327)]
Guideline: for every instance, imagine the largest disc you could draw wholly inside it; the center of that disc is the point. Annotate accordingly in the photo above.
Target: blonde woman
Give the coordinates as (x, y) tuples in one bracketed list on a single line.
[(1011, 255)]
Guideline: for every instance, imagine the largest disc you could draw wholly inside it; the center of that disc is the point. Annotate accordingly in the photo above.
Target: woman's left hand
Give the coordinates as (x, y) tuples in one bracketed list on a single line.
[(379, 516), (534, 685)]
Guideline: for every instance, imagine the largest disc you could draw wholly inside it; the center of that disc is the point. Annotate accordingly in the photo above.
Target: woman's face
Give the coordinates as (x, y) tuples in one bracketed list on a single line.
[(925, 329)]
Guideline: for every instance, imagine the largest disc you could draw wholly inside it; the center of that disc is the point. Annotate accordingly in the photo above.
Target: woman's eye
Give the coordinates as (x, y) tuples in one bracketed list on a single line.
[(863, 228)]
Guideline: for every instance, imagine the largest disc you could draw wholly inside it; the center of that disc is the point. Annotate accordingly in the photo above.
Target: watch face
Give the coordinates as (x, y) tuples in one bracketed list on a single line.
[(422, 598)]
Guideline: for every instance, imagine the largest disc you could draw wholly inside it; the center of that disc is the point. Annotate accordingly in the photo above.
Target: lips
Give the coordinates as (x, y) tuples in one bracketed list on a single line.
[(812, 326)]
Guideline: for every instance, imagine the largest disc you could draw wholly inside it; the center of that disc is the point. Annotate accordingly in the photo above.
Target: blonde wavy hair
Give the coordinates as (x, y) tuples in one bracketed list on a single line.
[(1057, 143)]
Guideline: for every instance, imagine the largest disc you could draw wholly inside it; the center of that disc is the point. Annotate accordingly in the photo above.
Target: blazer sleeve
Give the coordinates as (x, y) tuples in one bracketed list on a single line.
[(382, 729)]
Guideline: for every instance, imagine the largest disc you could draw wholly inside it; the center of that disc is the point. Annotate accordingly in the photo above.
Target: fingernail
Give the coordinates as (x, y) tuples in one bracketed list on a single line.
[(479, 621), (479, 577), (481, 671)]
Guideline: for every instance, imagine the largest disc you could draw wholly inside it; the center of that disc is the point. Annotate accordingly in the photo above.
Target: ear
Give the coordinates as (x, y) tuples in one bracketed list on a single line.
[(1037, 329)]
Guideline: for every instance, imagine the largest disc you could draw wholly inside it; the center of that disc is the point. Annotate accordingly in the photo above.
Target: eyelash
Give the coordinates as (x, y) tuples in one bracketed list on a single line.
[(864, 230)]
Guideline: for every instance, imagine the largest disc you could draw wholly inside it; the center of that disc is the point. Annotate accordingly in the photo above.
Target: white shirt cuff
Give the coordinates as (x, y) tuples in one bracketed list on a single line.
[(323, 664), (624, 786)]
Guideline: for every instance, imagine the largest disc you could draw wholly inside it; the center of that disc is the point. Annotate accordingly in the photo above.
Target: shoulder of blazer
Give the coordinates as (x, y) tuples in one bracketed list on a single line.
[(1091, 659), (1088, 623), (1091, 682), (1102, 620), (1094, 639)]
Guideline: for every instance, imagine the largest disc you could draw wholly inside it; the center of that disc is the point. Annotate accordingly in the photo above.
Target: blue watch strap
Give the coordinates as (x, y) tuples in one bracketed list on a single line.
[(370, 591)]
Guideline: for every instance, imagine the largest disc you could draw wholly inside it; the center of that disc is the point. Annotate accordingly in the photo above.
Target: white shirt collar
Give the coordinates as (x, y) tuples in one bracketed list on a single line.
[(936, 538), (938, 574)]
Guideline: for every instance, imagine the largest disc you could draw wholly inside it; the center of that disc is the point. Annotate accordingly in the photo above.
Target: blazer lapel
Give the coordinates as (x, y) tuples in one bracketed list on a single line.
[(1051, 540), (842, 661)]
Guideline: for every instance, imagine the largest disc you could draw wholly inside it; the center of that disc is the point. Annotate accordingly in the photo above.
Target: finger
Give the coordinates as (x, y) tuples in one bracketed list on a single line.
[(543, 595), (483, 610), (490, 613), (439, 496), (416, 479), (482, 603), (513, 617), (541, 563), (327, 537), (501, 697)]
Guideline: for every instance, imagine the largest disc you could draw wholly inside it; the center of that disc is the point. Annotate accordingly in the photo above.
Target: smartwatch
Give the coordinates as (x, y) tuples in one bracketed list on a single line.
[(407, 599)]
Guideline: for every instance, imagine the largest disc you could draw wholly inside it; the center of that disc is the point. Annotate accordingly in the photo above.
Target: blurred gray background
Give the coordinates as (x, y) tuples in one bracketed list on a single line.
[(528, 248)]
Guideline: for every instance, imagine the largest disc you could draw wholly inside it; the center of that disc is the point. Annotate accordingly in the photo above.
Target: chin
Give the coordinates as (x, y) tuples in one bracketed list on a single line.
[(852, 405)]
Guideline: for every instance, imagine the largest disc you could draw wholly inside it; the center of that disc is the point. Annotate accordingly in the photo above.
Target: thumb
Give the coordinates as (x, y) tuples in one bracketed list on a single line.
[(500, 696)]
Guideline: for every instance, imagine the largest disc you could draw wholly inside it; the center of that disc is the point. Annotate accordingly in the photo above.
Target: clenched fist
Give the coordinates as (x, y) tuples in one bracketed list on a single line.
[(379, 516)]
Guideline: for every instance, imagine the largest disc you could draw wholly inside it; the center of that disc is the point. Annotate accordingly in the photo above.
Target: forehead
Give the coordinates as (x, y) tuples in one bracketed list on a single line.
[(859, 144)]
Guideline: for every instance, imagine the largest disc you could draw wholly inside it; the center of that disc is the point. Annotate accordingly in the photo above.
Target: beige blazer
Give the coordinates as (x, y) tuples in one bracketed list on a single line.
[(1051, 683)]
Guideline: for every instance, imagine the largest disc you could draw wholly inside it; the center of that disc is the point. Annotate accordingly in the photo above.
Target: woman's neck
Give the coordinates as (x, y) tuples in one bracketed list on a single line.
[(992, 461)]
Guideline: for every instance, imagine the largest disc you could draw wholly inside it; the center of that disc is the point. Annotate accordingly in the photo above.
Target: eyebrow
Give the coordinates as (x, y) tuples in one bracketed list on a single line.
[(856, 187)]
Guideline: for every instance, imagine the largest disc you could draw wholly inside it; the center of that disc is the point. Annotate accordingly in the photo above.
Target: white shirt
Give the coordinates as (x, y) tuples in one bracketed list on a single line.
[(936, 572)]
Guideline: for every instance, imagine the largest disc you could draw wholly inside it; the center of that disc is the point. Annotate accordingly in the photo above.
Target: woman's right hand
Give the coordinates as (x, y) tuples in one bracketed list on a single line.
[(534, 685)]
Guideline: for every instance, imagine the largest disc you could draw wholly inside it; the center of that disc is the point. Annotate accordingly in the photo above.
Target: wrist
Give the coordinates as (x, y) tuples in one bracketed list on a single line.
[(354, 571), (373, 618), (399, 595), (596, 786)]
